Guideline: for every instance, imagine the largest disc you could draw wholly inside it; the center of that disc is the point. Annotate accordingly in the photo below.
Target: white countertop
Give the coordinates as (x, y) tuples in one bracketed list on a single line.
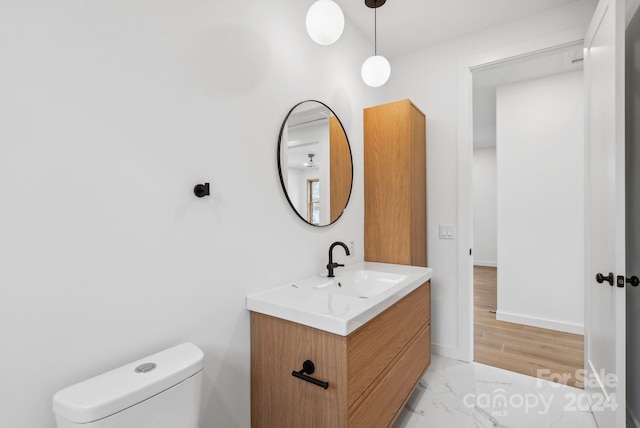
[(317, 303)]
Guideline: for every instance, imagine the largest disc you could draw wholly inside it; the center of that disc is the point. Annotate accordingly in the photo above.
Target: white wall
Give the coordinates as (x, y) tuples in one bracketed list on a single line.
[(111, 112), (430, 78), (485, 206), (540, 158), (296, 190), (315, 138)]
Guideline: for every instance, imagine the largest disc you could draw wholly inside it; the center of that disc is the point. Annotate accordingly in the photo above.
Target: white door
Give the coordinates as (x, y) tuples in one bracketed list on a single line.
[(605, 221)]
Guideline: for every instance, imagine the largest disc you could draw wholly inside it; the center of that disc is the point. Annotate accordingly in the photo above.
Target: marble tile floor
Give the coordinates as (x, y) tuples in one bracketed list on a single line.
[(455, 394)]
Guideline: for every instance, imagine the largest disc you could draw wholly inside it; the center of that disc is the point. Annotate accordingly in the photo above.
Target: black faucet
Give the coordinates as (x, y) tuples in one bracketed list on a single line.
[(331, 266)]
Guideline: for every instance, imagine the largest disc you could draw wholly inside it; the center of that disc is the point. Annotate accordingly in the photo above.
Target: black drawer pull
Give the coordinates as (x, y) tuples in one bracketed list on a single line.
[(308, 368)]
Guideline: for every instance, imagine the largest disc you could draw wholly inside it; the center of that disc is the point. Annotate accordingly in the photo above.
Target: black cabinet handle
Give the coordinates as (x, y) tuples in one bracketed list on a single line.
[(601, 278), (308, 367), (634, 281)]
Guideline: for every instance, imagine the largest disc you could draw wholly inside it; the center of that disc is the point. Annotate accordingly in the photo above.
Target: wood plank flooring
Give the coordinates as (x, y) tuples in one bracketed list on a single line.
[(532, 351)]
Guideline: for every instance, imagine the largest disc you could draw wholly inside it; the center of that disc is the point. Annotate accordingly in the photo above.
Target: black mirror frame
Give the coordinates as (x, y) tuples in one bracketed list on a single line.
[(282, 183)]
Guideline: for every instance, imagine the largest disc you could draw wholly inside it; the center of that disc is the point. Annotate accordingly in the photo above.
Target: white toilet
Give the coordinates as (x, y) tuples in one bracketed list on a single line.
[(160, 391)]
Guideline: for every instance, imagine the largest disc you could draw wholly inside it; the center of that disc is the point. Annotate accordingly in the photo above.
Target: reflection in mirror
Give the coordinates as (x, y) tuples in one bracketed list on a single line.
[(314, 163)]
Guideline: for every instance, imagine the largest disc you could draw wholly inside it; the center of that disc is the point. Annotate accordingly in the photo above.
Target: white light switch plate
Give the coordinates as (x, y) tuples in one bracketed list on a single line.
[(447, 231)]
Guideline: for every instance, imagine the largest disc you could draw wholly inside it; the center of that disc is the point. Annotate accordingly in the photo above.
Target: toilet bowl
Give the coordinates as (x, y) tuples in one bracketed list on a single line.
[(162, 390)]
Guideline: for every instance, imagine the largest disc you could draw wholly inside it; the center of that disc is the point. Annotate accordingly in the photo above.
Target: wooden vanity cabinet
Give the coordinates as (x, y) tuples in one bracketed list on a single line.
[(371, 372)]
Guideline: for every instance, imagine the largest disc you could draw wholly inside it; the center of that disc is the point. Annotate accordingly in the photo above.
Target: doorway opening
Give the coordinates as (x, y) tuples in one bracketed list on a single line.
[(528, 220)]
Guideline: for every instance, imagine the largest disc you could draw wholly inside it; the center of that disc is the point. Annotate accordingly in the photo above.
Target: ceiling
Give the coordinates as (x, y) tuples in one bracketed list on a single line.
[(409, 25), (306, 117)]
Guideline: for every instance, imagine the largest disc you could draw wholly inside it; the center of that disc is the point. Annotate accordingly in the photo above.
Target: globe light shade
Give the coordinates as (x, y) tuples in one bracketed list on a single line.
[(376, 71), (325, 22)]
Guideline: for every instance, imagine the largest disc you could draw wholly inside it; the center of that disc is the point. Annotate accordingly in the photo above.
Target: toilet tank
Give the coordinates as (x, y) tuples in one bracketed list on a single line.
[(162, 390)]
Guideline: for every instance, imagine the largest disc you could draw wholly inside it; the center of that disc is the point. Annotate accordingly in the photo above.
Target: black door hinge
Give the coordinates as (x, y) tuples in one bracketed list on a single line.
[(469, 251)]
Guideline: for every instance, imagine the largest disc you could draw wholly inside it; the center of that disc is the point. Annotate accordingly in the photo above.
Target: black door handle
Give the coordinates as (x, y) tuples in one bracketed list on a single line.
[(601, 278), (634, 281)]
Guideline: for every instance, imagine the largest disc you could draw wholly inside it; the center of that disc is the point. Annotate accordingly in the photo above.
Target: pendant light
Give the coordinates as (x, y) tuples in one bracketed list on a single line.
[(311, 163), (325, 22), (376, 69)]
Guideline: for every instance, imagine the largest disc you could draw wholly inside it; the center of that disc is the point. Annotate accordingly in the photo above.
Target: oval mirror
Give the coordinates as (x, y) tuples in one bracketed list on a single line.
[(314, 163)]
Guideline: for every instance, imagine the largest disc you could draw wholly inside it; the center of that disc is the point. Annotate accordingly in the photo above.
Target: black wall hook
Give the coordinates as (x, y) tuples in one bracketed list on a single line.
[(201, 190)]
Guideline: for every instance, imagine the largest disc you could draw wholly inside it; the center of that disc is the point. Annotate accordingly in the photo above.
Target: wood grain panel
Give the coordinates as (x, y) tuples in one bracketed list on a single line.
[(385, 400), (395, 184), (418, 188), (281, 400), (340, 168), (387, 162), (373, 346)]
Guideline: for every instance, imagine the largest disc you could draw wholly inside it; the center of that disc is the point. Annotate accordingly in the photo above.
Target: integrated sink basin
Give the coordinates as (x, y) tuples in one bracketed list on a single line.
[(361, 284), (341, 304)]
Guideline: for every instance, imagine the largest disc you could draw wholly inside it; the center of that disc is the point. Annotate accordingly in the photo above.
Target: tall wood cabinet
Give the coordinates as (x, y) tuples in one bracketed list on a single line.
[(395, 184)]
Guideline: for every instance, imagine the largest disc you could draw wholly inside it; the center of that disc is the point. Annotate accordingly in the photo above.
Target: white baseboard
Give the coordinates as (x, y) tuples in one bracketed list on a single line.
[(540, 322), (485, 263), (449, 352)]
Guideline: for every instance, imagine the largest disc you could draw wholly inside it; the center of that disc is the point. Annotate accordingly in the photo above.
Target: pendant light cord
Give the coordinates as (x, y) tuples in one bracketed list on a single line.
[(375, 31)]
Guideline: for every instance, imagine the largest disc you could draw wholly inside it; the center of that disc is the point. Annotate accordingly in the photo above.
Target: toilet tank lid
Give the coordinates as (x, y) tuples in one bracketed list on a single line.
[(118, 389)]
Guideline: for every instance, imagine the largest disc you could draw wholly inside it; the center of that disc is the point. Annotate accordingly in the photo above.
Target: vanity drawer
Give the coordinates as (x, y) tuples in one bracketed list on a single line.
[(374, 346), (381, 405), (280, 400)]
